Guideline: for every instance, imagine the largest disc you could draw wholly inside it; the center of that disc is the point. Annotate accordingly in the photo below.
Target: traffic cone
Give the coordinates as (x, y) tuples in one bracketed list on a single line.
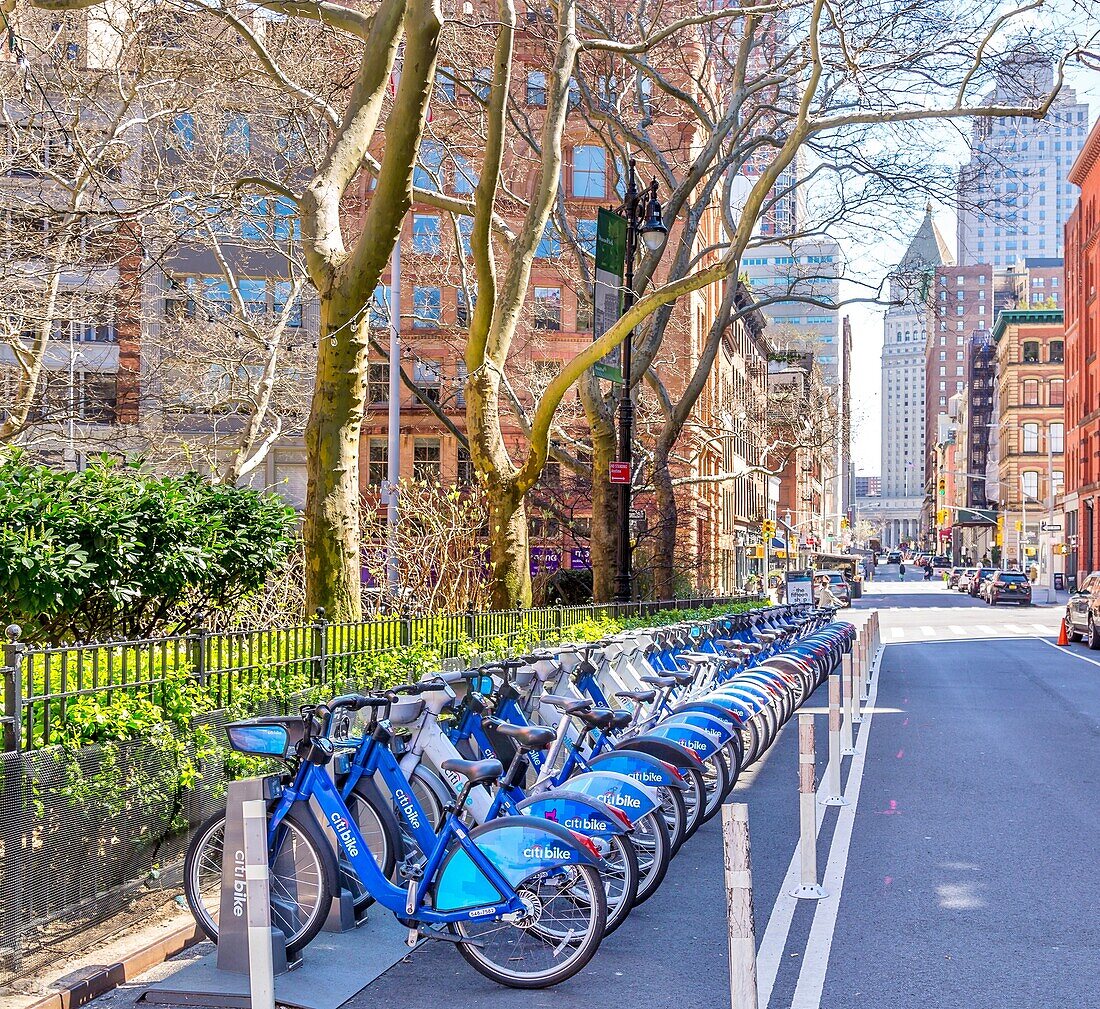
[(1063, 637)]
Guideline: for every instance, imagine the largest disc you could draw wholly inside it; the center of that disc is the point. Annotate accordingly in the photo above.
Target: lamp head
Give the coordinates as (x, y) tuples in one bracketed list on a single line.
[(653, 231)]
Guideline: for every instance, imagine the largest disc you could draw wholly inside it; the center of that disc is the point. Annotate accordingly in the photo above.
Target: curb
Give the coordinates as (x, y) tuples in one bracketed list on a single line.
[(81, 991)]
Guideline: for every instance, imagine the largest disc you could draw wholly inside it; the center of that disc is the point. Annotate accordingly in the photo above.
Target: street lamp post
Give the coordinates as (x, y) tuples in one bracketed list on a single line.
[(643, 217)]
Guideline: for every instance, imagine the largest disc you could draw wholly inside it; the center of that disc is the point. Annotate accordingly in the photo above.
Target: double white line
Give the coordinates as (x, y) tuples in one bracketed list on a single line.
[(815, 959)]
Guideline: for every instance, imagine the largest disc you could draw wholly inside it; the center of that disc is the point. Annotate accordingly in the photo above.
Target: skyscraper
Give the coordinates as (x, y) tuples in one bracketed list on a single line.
[(903, 382), (1014, 195)]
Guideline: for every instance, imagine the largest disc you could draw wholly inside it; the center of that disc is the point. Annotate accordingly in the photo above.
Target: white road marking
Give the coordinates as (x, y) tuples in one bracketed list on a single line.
[(1069, 651), (1016, 628), (811, 977), (1042, 629), (928, 632), (897, 632), (991, 631), (956, 629)]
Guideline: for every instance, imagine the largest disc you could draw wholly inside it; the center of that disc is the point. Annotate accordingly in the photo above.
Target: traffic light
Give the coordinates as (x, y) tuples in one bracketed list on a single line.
[(767, 528), (941, 517), (843, 523), (943, 485)]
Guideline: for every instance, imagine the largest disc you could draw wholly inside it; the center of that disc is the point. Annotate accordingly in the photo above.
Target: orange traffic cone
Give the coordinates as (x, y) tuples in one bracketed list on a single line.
[(1063, 637)]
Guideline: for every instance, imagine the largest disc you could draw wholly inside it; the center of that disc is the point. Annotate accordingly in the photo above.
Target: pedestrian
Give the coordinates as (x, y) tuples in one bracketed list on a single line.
[(901, 570), (985, 560)]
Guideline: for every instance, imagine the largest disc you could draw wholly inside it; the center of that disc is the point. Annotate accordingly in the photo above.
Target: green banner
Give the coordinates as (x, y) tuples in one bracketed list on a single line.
[(607, 296)]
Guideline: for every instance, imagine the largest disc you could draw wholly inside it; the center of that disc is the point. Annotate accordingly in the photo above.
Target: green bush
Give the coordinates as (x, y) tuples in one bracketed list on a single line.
[(115, 552)]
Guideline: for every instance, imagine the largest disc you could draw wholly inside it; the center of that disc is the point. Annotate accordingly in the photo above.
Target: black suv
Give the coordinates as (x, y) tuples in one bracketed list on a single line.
[(1009, 587), (1083, 611)]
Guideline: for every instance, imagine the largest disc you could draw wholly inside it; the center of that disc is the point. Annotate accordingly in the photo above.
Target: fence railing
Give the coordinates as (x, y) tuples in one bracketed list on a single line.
[(42, 683)]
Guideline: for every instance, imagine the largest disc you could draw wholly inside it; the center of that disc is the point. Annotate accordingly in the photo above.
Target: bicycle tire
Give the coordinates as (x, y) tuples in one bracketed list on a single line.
[(622, 853), (653, 843), (305, 830), (577, 959)]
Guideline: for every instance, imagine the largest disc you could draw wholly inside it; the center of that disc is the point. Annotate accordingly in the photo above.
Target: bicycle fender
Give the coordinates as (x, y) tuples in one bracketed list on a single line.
[(574, 810), (619, 791), (688, 736), (663, 749), (718, 729), (640, 766), (517, 847)]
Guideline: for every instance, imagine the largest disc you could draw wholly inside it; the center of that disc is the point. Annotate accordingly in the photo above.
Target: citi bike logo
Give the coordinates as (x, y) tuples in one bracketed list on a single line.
[(240, 895), (407, 807), (586, 823), (648, 776), (343, 831), (547, 851), (621, 800)]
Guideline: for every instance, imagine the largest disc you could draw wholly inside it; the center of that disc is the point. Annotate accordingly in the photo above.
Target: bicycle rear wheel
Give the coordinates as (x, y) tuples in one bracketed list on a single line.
[(302, 878), (566, 921), (654, 848)]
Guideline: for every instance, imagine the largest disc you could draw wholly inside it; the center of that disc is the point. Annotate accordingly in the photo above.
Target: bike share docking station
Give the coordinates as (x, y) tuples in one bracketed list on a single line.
[(341, 961)]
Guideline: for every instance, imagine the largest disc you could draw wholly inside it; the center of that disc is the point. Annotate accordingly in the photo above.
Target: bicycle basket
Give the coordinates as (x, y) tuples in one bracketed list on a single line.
[(268, 736)]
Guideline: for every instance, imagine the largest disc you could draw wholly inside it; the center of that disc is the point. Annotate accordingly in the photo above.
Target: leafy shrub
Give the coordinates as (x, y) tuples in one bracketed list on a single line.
[(116, 552)]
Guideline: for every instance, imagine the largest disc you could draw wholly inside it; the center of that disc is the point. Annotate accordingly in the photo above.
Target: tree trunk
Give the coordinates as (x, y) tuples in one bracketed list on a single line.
[(603, 543), (664, 542), (331, 529), (509, 549)]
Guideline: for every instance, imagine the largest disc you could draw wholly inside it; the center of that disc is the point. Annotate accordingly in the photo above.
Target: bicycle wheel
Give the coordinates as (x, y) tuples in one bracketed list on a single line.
[(716, 781), (620, 874), (568, 915), (654, 847), (302, 878), (694, 798), (675, 813)]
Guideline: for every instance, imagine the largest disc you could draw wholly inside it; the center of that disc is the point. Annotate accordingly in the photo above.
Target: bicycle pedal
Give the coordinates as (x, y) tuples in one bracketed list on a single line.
[(410, 870), (412, 938)]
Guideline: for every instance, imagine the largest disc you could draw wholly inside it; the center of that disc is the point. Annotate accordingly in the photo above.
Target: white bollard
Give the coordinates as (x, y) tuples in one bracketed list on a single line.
[(836, 796), (807, 810), (857, 683), (847, 744), (739, 913), (261, 970)]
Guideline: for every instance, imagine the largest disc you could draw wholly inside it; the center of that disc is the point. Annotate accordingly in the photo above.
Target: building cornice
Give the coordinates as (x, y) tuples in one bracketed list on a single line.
[(1026, 317), (1086, 160)]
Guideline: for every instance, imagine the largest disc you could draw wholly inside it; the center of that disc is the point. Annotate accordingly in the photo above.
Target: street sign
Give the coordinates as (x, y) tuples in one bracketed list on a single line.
[(608, 288), (637, 514), (1050, 527), (1072, 540), (619, 472)]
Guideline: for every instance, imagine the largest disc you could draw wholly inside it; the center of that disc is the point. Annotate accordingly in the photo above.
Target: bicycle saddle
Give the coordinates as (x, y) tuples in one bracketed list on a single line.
[(477, 771), (641, 696), (597, 718), (621, 718), (699, 658), (570, 705), (528, 737), (658, 681)]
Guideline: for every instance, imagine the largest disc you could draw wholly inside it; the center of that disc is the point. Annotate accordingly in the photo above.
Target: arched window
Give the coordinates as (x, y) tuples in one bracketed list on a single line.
[(1030, 392), (1030, 441), (1029, 481)]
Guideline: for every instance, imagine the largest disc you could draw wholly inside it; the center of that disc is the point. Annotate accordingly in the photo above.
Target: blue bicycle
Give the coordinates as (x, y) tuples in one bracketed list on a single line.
[(521, 897)]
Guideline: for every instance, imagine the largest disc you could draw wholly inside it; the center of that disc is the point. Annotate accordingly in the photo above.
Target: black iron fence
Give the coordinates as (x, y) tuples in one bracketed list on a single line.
[(96, 832)]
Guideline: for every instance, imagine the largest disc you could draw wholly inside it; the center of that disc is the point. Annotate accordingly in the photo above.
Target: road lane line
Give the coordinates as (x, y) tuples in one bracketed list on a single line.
[(1042, 628), (928, 632), (897, 632), (815, 962), (991, 631), (1016, 628), (956, 629), (1069, 651)]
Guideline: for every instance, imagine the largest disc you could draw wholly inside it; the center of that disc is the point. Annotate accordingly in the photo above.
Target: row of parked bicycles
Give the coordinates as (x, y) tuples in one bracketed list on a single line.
[(520, 810)]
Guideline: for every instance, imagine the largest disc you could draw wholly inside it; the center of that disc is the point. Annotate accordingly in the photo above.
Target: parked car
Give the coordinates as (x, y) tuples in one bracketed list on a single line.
[(893, 557), (1008, 587), (838, 586), (1083, 611), (941, 561), (962, 583), (953, 577), (980, 578)]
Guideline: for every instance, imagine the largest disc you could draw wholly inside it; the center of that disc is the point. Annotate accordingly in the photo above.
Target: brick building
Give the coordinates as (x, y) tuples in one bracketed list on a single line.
[(1082, 388)]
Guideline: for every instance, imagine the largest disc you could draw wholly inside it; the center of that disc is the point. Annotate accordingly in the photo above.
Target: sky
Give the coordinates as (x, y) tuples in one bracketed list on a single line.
[(867, 321)]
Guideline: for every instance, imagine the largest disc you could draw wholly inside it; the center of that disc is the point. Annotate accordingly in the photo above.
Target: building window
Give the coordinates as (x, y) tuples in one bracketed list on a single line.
[(1057, 432), (589, 172), (584, 313), (550, 244), (183, 132), (426, 467), (1031, 352), (1030, 441), (380, 308), (1029, 480), (464, 473), (1057, 392), (238, 134), (378, 463), (428, 376), (426, 234), (427, 308), (536, 88), (378, 383), (548, 308), (445, 84), (1031, 392), (1057, 352)]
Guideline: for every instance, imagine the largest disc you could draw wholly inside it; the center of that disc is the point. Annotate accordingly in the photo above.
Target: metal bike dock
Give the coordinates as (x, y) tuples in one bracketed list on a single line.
[(341, 961)]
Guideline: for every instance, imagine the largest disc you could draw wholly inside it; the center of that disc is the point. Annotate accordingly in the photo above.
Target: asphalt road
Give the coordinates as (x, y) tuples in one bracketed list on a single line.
[(970, 876)]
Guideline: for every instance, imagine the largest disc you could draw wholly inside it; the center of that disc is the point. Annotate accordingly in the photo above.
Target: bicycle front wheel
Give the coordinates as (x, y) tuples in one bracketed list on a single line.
[(567, 915), (302, 878)]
